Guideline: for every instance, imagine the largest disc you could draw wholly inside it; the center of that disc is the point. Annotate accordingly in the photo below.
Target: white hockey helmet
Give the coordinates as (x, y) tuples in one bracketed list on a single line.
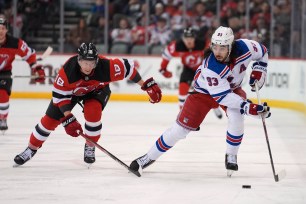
[(223, 36)]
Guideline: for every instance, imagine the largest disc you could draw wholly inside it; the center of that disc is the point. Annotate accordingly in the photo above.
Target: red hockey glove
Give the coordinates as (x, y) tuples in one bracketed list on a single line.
[(153, 90), (39, 73), (258, 75), (71, 125), (253, 109), (165, 72)]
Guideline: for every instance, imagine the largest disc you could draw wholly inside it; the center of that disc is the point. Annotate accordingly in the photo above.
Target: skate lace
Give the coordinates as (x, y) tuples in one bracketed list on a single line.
[(231, 159), (27, 154), (144, 160), (89, 151)]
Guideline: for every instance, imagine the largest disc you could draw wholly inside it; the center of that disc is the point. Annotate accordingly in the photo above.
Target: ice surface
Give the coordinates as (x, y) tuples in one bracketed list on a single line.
[(191, 172)]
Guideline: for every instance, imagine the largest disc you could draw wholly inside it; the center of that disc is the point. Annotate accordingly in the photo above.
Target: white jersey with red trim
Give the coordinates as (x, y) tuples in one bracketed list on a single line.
[(219, 80)]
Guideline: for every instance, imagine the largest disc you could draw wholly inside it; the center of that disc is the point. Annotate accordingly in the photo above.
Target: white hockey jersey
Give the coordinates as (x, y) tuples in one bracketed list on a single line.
[(219, 80)]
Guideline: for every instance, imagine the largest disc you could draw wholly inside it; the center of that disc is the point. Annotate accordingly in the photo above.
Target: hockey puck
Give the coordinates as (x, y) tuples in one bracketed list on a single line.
[(246, 186)]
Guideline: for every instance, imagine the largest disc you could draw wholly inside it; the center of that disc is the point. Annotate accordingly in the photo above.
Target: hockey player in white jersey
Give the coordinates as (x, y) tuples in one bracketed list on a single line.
[(218, 82)]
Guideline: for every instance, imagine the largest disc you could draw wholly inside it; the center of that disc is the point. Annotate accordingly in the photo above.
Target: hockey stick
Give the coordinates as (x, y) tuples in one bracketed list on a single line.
[(30, 77), (110, 155), (47, 52), (24, 76), (282, 174)]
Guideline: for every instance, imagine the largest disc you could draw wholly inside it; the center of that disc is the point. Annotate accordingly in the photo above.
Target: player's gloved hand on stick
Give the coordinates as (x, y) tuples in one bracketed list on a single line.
[(39, 72), (165, 72), (71, 125), (153, 90), (258, 75), (253, 109)]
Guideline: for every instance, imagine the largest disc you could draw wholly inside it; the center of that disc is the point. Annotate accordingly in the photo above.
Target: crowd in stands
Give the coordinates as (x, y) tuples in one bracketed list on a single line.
[(127, 20)]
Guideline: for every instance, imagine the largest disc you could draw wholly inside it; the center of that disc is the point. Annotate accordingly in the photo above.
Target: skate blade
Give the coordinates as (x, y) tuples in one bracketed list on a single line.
[(16, 165), (218, 113), (137, 173), (88, 165), (230, 173)]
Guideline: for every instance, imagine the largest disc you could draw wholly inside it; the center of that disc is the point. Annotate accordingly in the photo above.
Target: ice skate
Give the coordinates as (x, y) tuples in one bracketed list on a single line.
[(3, 126), (25, 156), (142, 162), (89, 155), (218, 113), (231, 164)]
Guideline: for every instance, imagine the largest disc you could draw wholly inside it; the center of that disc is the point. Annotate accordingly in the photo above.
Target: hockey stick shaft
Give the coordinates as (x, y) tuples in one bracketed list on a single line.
[(266, 135), (47, 52), (109, 154), (29, 76), (24, 76)]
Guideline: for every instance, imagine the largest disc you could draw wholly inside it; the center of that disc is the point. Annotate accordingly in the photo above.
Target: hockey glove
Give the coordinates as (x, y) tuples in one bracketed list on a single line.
[(39, 73), (258, 75), (165, 72), (71, 125), (253, 109), (153, 90)]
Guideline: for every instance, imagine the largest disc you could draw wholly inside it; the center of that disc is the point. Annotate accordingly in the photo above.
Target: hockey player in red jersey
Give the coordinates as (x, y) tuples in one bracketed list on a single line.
[(85, 79), (9, 47), (191, 51), (218, 82)]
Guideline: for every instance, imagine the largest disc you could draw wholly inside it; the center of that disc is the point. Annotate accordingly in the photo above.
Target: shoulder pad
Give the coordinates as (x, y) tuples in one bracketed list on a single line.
[(212, 64)]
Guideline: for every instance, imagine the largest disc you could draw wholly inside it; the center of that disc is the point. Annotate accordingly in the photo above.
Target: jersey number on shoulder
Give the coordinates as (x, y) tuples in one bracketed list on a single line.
[(23, 46), (59, 81), (255, 47), (212, 81)]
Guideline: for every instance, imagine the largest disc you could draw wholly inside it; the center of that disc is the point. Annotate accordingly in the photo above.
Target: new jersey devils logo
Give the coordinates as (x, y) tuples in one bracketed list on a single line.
[(3, 60), (81, 91)]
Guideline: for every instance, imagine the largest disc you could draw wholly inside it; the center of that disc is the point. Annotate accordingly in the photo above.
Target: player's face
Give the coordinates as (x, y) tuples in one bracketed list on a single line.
[(189, 42), (3, 32), (220, 52), (87, 66)]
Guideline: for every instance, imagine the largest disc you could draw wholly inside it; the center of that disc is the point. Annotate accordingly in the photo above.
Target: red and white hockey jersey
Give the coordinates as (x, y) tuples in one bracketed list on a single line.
[(190, 58), (14, 46), (71, 82)]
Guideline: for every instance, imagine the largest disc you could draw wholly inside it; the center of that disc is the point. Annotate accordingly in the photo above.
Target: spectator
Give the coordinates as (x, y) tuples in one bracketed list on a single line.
[(122, 34), (139, 31), (133, 9), (201, 17), (96, 11), (98, 32), (33, 16), (159, 12), (77, 35), (160, 33)]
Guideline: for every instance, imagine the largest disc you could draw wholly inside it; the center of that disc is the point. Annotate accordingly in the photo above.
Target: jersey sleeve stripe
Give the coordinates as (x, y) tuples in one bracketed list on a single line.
[(197, 74), (127, 67), (166, 54), (243, 57), (224, 72), (263, 49), (61, 92)]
